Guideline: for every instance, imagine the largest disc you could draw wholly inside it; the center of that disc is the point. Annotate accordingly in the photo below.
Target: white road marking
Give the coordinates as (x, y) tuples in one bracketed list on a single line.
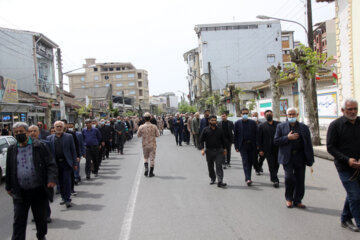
[(129, 215)]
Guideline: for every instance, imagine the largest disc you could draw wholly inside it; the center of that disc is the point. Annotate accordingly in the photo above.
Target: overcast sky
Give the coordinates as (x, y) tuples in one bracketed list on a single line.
[(151, 34)]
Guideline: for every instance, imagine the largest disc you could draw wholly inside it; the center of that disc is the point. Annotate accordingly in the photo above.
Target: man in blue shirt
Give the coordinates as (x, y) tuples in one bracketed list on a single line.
[(92, 138)]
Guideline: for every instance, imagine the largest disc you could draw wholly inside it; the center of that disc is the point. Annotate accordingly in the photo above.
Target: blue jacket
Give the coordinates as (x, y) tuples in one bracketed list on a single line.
[(281, 140), (81, 143), (68, 148), (178, 126), (204, 122), (239, 133)]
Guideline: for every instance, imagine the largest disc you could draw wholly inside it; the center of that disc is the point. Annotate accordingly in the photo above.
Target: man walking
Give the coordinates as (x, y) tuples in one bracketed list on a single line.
[(195, 128), (64, 151), (204, 121), (295, 152), (228, 129), (148, 132), (43, 133), (30, 174), (215, 141), (92, 138), (267, 148), (120, 135), (245, 131), (178, 126), (343, 142)]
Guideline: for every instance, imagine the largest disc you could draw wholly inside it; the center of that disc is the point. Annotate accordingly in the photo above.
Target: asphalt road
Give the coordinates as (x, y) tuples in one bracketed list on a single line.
[(179, 203)]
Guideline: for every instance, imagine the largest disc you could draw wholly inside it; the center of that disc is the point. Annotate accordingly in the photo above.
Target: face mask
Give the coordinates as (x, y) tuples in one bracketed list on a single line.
[(107, 124), (102, 123), (93, 125), (269, 118), (254, 118), (118, 121), (292, 120), (71, 129), (245, 117), (21, 138)]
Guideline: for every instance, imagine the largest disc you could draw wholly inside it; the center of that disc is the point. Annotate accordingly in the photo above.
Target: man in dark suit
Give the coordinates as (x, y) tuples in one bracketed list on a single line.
[(120, 135), (228, 129), (267, 148), (245, 131), (178, 126), (43, 133), (64, 150), (295, 152), (204, 122)]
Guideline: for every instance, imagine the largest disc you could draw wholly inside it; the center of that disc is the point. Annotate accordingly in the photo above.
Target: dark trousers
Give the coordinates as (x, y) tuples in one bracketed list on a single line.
[(227, 158), (258, 162), (120, 142), (65, 172), (295, 178), (352, 201), (186, 136), (273, 164), (196, 140), (107, 148), (101, 153), (215, 157), (92, 155), (178, 136), (247, 152), (38, 201)]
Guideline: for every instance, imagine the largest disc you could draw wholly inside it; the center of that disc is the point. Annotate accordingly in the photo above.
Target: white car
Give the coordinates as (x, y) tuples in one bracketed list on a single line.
[(5, 142)]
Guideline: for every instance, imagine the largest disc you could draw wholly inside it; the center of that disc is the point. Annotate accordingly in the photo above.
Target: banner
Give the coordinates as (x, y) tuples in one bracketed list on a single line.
[(8, 90)]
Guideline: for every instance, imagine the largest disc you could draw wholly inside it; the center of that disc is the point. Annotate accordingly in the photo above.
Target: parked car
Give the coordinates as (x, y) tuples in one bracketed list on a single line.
[(5, 142)]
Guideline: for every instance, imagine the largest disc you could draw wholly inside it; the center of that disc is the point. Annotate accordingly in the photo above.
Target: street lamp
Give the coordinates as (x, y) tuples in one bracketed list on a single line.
[(285, 20)]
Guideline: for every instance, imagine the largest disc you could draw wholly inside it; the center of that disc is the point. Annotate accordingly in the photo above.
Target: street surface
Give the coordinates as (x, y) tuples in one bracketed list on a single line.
[(179, 203)]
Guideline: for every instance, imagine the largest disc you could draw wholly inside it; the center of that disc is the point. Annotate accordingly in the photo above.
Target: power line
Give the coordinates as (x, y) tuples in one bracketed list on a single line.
[(16, 51)]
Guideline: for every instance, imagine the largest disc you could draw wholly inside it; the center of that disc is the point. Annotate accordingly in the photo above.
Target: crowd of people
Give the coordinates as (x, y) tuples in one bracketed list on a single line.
[(43, 160), (44, 163)]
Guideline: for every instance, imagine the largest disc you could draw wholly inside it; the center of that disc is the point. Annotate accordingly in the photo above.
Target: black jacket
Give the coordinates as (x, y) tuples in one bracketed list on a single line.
[(45, 168), (266, 133), (230, 131)]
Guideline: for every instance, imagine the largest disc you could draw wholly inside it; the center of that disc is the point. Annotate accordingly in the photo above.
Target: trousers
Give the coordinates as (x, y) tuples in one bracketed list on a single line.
[(295, 178), (215, 157)]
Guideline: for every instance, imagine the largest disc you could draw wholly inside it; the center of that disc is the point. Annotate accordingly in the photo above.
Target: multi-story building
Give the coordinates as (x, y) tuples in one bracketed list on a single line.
[(124, 79), (238, 52), (196, 84), (325, 38), (287, 44)]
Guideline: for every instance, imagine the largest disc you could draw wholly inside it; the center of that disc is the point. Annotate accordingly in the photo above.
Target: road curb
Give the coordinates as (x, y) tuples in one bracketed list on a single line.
[(321, 152)]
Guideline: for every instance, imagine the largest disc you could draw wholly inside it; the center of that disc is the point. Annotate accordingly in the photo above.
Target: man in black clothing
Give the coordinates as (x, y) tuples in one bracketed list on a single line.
[(343, 141), (120, 135), (267, 149), (215, 150), (228, 129), (108, 138)]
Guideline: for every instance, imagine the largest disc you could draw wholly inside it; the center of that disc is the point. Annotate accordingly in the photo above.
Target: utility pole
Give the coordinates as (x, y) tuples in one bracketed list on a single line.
[(210, 84), (123, 101), (61, 84), (310, 25)]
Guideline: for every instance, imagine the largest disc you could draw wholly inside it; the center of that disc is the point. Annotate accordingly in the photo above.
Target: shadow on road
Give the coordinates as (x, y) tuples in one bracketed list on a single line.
[(62, 223), (109, 177), (324, 211), (253, 188), (83, 194), (91, 182), (171, 177), (85, 207)]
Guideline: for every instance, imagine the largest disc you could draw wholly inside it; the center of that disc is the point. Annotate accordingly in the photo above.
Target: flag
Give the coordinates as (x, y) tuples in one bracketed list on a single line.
[(317, 77), (335, 78)]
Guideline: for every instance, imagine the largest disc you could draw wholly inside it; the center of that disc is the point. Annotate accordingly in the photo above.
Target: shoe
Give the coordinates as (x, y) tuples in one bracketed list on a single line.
[(258, 173), (73, 193), (96, 174), (68, 204), (349, 225), (228, 165), (62, 202), (224, 166), (249, 182), (212, 181), (289, 204), (76, 182), (276, 184), (151, 174), (180, 144), (88, 177), (146, 173), (221, 184), (48, 219), (300, 205), (261, 170)]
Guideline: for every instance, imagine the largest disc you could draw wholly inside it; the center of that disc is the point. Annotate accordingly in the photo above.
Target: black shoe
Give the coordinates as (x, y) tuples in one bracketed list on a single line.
[(76, 182), (224, 166), (48, 219), (96, 174), (221, 184), (249, 182), (276, 184), (212, 181), (146, 173), (62, 202), (228, 165), (73, 193), (151, 174), (258, 173), (180, 144), (68, 204), (349, 225), (88, 177)]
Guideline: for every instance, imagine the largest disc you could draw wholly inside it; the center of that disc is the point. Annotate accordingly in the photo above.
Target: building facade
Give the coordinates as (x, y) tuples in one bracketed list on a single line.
[(287, 44), (124, 79), (325, 38), (196, 84), (238, 52)]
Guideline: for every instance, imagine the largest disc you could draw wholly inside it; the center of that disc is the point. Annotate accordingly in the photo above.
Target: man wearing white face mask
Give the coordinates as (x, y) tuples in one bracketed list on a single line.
[(295, 152), (245, 131)]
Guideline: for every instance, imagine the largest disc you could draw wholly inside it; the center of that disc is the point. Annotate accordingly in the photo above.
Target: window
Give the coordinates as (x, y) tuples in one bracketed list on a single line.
[(271, 58), (119, 84), (286, 38), (111, 69), (106, 77), (82, 86), (269, 26), (140, 92), (131, 75), (107, 85), (105, 69), (96, 78), (95, 69), (118, 69), (119, 93), (118, 76), (139, 76), (96, 85), (82, 79), (131, 84), (132, 92), (140, 84)]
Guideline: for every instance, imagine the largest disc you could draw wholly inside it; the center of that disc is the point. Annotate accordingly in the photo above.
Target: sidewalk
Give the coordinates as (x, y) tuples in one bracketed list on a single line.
[(320, 151)]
